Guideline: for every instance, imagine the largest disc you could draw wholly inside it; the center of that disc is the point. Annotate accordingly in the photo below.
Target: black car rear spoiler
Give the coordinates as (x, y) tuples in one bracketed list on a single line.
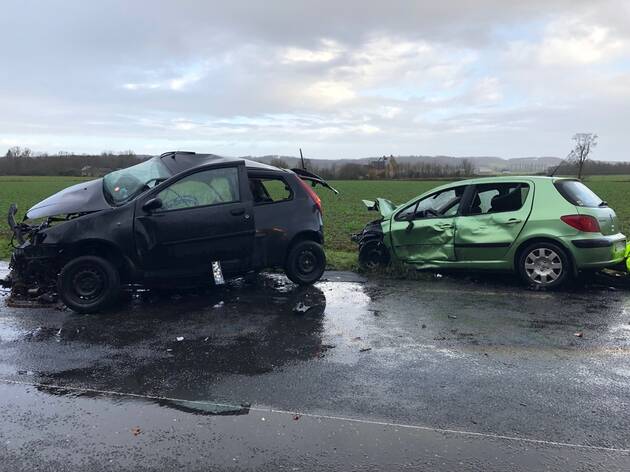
[(314, 179)]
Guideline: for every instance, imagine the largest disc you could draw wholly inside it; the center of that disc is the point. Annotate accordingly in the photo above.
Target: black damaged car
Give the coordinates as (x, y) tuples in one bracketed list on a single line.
[(177, 220)]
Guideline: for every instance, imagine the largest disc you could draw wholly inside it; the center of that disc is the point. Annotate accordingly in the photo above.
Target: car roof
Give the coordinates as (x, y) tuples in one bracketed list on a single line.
[(489, 180), (509, 178), (179, 161)]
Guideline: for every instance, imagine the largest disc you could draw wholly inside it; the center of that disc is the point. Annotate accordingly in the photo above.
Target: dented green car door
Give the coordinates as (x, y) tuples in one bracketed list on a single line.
[(424, 230)]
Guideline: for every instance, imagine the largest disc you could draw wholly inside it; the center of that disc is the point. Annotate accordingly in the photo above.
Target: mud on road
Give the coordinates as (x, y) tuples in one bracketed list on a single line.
[(438, 373)]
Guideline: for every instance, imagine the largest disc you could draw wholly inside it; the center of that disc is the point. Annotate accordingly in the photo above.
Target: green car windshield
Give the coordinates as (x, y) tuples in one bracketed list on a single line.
[(124, 185)]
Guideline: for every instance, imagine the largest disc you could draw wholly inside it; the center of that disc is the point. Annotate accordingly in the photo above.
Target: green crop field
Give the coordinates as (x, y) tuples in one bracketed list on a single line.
[(343, 213)]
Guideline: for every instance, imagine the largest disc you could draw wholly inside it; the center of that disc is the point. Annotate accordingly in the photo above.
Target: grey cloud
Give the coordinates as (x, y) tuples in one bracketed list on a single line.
[(213, 74)]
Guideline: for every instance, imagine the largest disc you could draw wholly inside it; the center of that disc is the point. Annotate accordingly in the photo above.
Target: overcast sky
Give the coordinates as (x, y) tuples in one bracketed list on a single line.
[(343, 78)]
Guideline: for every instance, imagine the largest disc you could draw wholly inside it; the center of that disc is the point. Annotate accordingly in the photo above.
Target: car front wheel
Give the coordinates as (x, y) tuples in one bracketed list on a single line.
[(373, 255), (305, 263), (88, 284), (544, 265)]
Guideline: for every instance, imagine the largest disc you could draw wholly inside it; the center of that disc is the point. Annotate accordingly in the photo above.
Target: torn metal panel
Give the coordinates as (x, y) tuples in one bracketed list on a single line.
[(382, 205)]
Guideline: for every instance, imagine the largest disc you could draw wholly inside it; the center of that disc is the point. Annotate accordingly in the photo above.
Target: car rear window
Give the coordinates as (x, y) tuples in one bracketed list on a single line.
[(577, 193)]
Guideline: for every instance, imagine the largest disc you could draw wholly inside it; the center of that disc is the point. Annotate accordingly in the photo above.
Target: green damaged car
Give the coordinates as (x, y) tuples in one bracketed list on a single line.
[(546, 229)]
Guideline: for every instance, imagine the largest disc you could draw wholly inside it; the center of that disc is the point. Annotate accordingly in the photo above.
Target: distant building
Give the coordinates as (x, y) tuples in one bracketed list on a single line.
[(383, 167)]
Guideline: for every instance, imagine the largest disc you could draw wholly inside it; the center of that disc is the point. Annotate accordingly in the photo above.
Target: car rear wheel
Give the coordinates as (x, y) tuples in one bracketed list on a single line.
[(88, 284), (544, 265), (305, 263)]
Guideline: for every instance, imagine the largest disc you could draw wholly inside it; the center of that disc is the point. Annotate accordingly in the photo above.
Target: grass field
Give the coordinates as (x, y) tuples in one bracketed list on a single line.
[(343, 213)]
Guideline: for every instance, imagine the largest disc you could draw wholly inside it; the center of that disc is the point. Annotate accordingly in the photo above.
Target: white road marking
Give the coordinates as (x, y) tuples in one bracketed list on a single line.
[(460, 432)]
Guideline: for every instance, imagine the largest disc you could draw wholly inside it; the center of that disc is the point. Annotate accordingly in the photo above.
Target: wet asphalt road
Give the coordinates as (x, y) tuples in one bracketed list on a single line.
[(433, 374)]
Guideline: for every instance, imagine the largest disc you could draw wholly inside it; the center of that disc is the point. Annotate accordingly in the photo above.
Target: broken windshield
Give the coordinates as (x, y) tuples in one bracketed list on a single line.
[(122, 185)]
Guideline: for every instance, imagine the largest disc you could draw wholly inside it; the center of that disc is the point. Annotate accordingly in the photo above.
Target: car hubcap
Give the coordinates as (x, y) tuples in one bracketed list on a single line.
[(307, 262), (543, 266), (88, 283)]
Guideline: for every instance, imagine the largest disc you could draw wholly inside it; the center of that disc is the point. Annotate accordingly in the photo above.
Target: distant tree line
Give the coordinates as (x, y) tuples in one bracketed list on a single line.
[(592, 168), (23, 161), (391, 169)]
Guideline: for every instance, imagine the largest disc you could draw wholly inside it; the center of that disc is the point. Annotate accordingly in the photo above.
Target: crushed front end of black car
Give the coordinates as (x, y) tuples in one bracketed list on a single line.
[(33, 266)]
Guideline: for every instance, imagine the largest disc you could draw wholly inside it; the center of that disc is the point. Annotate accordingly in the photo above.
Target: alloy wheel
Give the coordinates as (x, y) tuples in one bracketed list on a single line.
[(543, 266)]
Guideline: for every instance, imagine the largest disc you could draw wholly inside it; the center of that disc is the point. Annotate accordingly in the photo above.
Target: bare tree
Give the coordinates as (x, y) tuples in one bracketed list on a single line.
[(17, 151), (584, 144)]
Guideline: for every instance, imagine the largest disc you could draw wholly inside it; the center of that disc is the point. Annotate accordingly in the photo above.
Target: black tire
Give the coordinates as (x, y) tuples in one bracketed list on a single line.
[(544, 265), (373, 255), (88, 284), (306, 263)]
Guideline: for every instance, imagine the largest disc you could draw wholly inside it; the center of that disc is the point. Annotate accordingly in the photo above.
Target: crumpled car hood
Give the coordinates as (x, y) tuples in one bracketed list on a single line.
[(81, 198), (382, 205)]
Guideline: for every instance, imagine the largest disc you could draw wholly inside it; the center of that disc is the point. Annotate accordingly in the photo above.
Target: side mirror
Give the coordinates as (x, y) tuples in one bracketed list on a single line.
[(152, 204)]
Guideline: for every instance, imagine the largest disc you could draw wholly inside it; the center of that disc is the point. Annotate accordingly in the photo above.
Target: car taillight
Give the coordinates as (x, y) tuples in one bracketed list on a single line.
[(585, 223), (311, 193)]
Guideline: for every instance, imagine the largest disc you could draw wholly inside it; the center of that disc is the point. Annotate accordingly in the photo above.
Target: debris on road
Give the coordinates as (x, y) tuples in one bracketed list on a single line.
[(136, 430), (179, 338), (579, 334), (365, 349), (453, 317), (301, 307)]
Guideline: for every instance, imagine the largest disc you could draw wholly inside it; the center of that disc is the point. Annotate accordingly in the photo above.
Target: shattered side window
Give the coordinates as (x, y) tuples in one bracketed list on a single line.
[(209, 187), (269, 190), (441, 204), (407, 213)]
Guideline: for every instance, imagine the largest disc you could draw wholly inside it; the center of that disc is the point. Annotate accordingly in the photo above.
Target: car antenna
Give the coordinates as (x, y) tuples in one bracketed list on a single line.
[(302, 159)]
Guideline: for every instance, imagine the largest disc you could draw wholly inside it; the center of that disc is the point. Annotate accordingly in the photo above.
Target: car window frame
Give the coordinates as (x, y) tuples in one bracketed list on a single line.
[(473, 191), (195, 170), (271, 176), (432, 194)]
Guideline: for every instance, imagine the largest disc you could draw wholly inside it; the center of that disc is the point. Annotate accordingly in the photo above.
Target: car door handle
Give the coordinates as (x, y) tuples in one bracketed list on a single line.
[(237, 211), (512, 221), (445, 226)]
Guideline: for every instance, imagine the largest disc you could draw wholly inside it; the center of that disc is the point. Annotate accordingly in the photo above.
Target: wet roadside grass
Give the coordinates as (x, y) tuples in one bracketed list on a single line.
[(344, 214)]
